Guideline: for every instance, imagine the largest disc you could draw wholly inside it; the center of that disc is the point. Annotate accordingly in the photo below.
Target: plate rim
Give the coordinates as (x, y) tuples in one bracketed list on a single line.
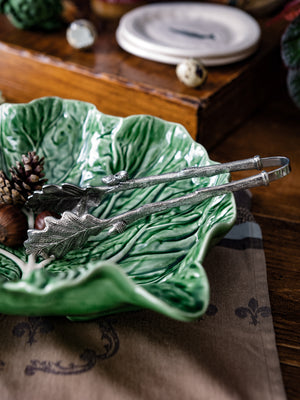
[(138, 51), (126, 23)]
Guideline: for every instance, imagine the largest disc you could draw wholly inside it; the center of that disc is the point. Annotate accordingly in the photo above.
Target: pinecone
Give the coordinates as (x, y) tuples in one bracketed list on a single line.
[(8, 194), (25, 179)]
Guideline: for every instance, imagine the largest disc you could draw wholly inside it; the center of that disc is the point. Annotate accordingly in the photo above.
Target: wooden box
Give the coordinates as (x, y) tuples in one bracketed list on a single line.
[(36, 64)]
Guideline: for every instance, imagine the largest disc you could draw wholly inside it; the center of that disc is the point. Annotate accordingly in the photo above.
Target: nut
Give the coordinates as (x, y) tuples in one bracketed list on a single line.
[(39, 222), (13, 226)]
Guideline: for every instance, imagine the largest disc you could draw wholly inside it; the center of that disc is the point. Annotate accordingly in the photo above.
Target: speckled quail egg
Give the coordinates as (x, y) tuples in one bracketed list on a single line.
[(191, 72)]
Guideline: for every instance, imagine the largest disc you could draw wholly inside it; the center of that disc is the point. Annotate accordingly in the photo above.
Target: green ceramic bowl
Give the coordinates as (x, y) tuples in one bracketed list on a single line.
[(156, 262)]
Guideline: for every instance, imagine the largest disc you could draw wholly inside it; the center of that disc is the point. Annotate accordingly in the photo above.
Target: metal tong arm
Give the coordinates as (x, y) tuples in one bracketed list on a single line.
[(261, 179), (80, 200), (72, 231), (255, 162)]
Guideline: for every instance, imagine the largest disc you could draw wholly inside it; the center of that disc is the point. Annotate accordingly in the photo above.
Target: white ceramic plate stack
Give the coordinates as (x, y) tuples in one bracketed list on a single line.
[(171, 32)]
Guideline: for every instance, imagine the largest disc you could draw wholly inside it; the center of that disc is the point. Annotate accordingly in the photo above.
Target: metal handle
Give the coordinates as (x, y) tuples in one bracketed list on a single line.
[(261, 179), (80, 200), (73, 230)]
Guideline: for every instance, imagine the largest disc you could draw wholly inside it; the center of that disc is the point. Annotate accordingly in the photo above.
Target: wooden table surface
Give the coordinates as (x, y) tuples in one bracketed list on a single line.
[(274, 129)]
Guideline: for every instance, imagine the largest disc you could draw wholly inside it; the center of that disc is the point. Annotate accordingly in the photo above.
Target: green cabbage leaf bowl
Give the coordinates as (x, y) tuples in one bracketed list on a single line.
[(156, 262)]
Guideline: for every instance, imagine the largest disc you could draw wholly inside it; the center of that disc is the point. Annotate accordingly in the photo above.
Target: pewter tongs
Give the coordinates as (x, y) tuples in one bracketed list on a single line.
[(75, 226)]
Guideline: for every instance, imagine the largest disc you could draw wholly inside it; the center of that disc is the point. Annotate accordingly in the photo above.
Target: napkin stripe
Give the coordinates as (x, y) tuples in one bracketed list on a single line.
[(245, 229), (246, 235), (245, 243)]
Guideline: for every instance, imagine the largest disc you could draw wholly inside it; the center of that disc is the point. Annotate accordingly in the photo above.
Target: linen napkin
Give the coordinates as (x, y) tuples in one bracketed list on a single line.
[(229, 353)]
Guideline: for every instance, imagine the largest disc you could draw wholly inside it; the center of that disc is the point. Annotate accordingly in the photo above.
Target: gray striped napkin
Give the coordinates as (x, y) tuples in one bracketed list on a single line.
[(229, 353)]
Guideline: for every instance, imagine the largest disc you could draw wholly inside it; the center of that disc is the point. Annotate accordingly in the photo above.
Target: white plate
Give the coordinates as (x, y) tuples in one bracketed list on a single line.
[(170, 59), (191, 29)]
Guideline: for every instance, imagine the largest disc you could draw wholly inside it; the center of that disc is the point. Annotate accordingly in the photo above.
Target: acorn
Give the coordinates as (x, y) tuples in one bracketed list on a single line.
[(13, 226), (39, 222)]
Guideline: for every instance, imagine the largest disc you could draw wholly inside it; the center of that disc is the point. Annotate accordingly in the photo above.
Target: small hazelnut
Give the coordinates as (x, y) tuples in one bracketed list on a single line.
[(39, 222), (13, 226)]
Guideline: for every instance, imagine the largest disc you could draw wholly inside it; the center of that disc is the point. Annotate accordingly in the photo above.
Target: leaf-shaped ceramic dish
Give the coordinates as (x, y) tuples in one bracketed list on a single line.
[(156, 262)]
